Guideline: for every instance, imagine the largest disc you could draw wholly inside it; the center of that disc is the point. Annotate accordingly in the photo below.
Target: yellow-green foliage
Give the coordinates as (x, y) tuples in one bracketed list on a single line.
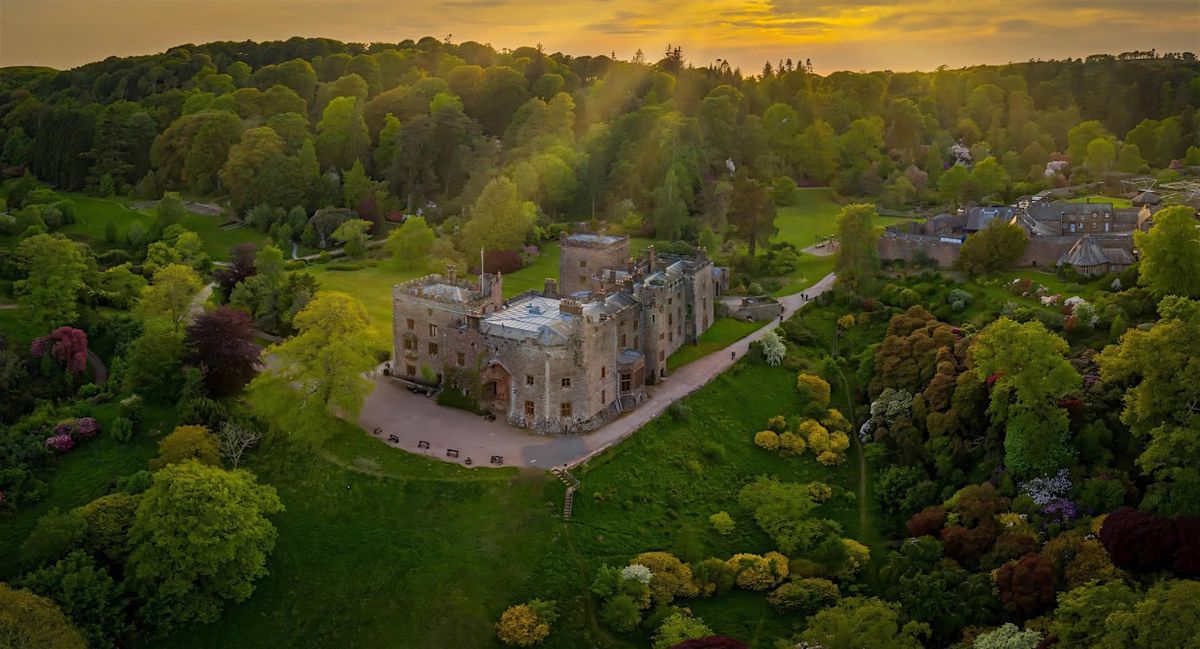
[(778, 423), (791, 444), (672, 577), (520, 626), (813, 388), (755, 572), (834, 420), (722, 522), (767, 439), (847, 321), (819, 492), (829, 447), (857, 556), (187, 442)]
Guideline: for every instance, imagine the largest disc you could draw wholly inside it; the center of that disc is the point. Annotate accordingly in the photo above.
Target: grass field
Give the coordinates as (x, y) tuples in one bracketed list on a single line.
[(722, 333), (93, 214), (372, 286), (83, 475), (1096, 198), (18, 327)]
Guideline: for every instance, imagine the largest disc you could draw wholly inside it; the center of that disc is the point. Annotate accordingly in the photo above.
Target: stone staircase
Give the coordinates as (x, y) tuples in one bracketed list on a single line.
[(572, 483)]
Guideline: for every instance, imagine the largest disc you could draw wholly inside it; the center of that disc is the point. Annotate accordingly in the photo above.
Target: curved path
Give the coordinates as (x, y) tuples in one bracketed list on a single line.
[(394, 411)]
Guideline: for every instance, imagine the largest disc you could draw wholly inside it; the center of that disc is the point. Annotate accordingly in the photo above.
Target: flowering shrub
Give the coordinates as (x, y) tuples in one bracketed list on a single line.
[(67, 344), (767, 439), (773, 348), (1045, 490), (64, 428), (819, 492), (637, 572), (1061, 510), (60, 443), (87, 427)]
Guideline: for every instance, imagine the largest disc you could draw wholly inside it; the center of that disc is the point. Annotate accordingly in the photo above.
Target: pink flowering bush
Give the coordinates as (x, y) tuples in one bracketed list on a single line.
[(67, 344), (87, 427), (60, 443), (65, 427)]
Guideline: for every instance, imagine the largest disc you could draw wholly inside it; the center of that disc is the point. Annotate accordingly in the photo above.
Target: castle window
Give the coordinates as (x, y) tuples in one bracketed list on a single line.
[(603, 372), (583, 263), (622, 340), (604, 397), (462, 359), (670, 336), (528, 379), (566, 381), (670, 318), (410, 370), (410, 343), (564, 409), (433, 349), (412, 324), (626, 382), (529, 410), (433, 329)]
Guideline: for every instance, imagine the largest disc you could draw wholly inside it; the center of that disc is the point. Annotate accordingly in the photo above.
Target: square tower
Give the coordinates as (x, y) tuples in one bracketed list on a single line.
[(585, 255)]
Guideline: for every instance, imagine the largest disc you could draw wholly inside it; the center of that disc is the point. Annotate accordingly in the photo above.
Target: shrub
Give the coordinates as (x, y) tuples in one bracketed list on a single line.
[(722, 522), (791, 444), (108, 521), (813, 388), (807, 595), (122, 429), (847, 322), (677, 628), (778, 423), (54, 535), (671, 577), (132, 408), (767, 439), (754, 572), (928, 521), (773, 348), (87, 427), (525, 625), (621, 613), (819, 491), (61, 443), (185, 443)]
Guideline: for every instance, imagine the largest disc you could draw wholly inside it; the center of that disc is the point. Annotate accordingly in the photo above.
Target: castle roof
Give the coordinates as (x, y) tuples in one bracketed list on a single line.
[(589, 238), (1086, 252), (533, 317), (1147, 198), (979, 217)]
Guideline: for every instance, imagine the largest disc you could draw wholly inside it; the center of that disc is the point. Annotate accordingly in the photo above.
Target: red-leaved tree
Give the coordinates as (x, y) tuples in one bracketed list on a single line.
[(1139, 541), (67, 344), (1026, 585), (222, 342), (241, 266)]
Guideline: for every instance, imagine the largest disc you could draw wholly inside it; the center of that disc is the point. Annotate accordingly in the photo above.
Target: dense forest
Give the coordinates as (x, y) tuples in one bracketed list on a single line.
[(984, 458), (427, 125)]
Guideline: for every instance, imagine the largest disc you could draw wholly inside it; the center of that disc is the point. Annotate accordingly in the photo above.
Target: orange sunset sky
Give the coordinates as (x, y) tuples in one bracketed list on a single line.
[(835, 34)]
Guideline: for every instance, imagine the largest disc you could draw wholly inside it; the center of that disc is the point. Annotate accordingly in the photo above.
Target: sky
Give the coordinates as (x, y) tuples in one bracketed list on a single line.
[(834, 34)]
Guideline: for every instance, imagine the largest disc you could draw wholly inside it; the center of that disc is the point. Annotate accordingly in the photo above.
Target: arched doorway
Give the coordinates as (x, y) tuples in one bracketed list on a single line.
[(497, 386)]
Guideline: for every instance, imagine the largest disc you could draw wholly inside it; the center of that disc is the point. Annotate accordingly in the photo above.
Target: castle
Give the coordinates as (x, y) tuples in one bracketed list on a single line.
[(568, 358), (1092, 238)]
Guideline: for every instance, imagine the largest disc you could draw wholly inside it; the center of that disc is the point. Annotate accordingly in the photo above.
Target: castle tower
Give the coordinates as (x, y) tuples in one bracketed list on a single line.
[(587, 254)]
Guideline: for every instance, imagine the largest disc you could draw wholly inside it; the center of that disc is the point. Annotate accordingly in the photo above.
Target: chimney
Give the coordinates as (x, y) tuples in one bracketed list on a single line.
[(567, 305), (551, 288), (650, 259), (451, 273), (498, 291)]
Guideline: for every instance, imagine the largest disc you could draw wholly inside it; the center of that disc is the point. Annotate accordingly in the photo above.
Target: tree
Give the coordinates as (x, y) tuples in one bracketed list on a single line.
[(782, 510), (997, 246), (187, 443), (863, 623), (154, 362), (355, 185), (54, 535), (1008, 636), (1170, 263), (500, 220), (1026, 585), (247, 160), (1025, 365), (670, 578), (342, 136), (954, 185), (319, 372), (1079, 619), (817, 151), (169, 296), (857, 258), (621, 613), (54, 280), (200, 537), (410, 244), (1080, 137), (525, 625), (679, 628), (813, 388), (753, 211), (352, 234), (108, 520), (67, 344), (1166, 617), (233, 440), (1100, 155), (221, 341), (27, 620), (89, 597), (1160, 408), (988, 178), (1130, 160)]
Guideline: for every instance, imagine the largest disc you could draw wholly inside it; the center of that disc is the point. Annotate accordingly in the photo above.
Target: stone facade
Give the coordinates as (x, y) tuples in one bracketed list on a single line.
[(569, 358), (1053, 229)]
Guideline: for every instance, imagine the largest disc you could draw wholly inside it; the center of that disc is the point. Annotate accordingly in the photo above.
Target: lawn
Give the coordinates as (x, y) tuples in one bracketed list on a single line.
[(1117, 203), (722, 333), (18, 327), (93, 214), (83, 475), (370, 285), (378, 547)]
